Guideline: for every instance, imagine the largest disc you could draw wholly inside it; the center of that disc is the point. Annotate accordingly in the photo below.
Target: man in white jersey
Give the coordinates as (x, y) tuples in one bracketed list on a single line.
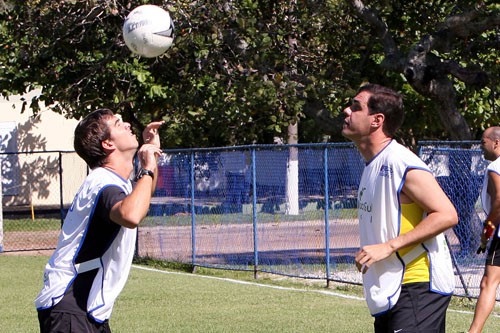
[(406, 265), (90, 265), (490, 197)]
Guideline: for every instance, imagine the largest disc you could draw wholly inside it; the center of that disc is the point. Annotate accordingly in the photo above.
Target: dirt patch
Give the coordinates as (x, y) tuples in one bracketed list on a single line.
[(30, 241)]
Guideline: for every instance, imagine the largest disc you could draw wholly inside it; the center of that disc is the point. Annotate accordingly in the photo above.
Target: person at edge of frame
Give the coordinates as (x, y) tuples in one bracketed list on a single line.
[(93, 257), (404, 259), (490, 199)]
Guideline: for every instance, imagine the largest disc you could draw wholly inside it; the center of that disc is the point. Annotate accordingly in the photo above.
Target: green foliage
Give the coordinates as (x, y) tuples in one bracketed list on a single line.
[(238, 72), (408, 22)]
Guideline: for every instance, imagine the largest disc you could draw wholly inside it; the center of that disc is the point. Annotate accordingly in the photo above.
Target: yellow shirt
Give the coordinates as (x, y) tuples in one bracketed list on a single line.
[(418, 269)]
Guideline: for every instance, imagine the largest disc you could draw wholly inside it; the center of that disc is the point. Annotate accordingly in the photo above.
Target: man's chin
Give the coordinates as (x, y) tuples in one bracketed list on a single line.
[(345, 133)]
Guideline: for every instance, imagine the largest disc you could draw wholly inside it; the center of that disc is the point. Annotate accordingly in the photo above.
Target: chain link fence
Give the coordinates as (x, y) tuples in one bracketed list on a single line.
[(282, 209), (37, 188)]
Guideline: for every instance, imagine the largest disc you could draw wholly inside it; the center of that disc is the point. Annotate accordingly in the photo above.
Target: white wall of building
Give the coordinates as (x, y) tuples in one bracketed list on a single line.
[(32, 178), (54, 129)]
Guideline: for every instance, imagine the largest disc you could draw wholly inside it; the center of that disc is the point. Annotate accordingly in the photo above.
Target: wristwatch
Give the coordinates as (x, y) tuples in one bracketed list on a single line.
[(144, 172)]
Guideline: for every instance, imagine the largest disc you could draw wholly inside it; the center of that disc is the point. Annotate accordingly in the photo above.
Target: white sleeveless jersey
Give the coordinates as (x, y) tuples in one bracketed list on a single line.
[(114, 265), (379, 212), (485, 197)]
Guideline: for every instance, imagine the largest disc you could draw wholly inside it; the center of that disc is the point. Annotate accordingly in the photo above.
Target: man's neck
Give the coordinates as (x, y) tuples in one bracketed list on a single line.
[(120, 165), (371, 147)]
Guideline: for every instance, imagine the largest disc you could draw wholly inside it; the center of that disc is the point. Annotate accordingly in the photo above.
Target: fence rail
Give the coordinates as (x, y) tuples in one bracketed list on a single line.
[(288, 209)]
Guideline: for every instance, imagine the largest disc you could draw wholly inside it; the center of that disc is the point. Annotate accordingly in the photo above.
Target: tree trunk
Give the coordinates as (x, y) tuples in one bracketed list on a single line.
[(428, 75)]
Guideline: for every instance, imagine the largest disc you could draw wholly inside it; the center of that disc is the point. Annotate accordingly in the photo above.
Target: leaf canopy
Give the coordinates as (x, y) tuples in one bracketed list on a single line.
[(239, 72)]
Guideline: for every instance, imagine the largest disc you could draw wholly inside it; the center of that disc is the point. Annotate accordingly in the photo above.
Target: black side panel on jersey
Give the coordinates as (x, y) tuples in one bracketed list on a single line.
[(100, 234), (102, 230)]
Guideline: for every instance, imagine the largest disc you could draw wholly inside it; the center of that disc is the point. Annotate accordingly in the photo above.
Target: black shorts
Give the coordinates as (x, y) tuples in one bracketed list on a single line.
[(55, 321), (417, 310), (493, 257)]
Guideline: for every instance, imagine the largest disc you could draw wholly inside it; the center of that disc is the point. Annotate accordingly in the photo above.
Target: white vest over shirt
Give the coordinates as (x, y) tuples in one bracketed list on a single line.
[(485, 197), (379, 212), (114, 265)]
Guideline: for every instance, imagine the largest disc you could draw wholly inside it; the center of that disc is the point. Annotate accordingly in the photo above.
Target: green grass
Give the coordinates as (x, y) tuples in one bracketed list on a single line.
[(163, 300), (38, 224)]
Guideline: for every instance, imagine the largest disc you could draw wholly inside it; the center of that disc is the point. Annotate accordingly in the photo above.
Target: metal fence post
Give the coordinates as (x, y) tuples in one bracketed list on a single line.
[(61, 188), (254, 217), (193, 212), (1, 212), (327, 224)]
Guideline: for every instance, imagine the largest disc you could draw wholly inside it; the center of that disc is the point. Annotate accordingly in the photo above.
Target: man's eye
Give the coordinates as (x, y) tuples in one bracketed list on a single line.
[(355, 107)]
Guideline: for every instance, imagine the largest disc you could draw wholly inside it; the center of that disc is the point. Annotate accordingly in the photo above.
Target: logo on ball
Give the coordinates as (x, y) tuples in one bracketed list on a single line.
[(148, 31)]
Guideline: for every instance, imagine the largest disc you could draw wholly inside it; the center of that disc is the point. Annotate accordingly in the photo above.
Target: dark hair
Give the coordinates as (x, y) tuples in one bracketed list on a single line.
[(90, 132), (388, 102)]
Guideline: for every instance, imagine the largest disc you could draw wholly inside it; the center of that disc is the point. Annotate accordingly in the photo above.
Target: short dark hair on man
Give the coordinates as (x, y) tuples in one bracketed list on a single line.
[(90, 132), (388, 102)]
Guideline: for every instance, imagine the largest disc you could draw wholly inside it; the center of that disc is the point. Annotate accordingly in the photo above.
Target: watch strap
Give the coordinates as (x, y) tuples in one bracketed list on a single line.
[(145, 172)]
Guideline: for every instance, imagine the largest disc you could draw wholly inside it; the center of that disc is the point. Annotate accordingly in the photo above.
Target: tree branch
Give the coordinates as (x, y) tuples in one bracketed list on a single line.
[(427, 72), (393, 59), (470, 23), (460, 27)]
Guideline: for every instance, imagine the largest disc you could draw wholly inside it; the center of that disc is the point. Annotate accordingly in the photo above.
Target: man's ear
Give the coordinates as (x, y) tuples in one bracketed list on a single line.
[(378, 120), (108, 144), (496, 144)]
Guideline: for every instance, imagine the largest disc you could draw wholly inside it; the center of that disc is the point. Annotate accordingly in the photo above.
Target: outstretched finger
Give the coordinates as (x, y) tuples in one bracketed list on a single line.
[(155, 125)]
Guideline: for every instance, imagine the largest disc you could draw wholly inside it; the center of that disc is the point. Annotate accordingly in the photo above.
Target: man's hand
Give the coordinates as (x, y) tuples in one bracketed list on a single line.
[(150, 133), (370, 254), (147, 156), (486, 234)]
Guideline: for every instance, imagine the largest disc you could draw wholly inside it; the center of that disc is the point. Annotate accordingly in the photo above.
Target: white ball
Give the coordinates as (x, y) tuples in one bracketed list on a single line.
[(148, 31)]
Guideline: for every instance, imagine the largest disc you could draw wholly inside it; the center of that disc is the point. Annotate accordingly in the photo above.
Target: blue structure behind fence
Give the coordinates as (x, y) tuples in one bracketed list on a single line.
[(291, 210)]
